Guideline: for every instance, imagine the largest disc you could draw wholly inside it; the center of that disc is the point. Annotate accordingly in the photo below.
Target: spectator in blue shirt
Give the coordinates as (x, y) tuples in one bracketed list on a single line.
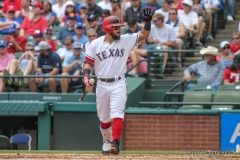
[(73, 65), (67, 31), (47, 13), (153, 4), (80, 37), (6, 22), (49, 63)]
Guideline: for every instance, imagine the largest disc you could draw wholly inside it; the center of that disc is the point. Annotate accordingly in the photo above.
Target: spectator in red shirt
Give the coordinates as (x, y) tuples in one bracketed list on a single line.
[(177, 4), (231, 75), (235, 46), (36, 23), (17, 6), (16, 43), (48, 37)]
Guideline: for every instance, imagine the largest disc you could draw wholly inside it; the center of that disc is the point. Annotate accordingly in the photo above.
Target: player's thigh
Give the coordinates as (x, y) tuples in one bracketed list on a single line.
[(118, 98), (103, 103)]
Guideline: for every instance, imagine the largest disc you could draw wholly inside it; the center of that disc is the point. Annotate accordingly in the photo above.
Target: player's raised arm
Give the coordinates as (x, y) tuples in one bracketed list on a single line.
[(147, 18)]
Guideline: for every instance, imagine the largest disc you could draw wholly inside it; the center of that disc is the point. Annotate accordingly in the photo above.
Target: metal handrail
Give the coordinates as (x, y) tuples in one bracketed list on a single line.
[(44, 76), (174, 51)]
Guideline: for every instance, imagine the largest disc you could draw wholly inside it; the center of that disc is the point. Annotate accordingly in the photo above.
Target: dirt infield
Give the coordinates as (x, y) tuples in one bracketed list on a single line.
[(22, 156)]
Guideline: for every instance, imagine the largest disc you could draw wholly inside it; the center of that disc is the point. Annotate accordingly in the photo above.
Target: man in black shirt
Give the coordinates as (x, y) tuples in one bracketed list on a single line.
[(49, 63), (134, 12), (93, 8), (94, 23)]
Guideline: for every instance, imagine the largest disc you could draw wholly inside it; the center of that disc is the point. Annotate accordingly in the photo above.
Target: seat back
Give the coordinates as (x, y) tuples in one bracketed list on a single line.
[(224, 96), (202, 88), (21, 138), (4, 142), (229, 88), (192, 96)]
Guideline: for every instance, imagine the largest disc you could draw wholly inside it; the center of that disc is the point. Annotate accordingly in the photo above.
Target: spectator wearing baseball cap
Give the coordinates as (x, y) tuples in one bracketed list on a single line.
[(93, 19), (5, 60), (68, 30), (80, 37), (16, 43), (69, 10), (38, 22), (226, 58), (83, 9), (48, 14), (49, 63), (166, 5), (17, 6), (73, 65), (6, 21), (37, 37), (48, 38), (232, 74)]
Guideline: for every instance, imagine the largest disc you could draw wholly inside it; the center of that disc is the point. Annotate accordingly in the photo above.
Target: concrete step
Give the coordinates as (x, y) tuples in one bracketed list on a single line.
[(218, 41)]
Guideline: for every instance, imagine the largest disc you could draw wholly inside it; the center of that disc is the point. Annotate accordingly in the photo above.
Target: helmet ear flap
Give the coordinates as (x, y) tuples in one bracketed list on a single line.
[(109, 29)]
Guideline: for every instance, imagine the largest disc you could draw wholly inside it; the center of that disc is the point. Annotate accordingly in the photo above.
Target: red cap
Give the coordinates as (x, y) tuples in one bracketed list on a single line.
[(10, 8), (37, 5)]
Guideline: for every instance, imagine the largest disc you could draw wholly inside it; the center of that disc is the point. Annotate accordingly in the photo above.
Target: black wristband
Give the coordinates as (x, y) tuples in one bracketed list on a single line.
[(87, 71), (147, 26)]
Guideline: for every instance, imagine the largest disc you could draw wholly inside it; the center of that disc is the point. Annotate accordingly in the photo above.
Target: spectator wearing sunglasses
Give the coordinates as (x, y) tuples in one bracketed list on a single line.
[(166, 5), (16, 43), (5, 60), (38, 22), (62, 52), (10, 18), (25, 65), (48, 38), (93, 19), (91, 34), (73, 65), (17, 5), (226, 58), (232, 74), (235, 46), (80, 37), (134, 12)]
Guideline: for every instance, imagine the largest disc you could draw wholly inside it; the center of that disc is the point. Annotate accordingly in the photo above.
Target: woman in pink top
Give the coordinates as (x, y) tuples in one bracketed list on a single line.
[(5, 60)]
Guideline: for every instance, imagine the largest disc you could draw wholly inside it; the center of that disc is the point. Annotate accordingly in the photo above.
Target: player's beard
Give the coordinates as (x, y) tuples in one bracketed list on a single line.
[(115, 37)]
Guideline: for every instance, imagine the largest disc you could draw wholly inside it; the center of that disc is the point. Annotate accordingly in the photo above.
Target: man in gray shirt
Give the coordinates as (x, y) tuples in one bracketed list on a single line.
[(209, 71)]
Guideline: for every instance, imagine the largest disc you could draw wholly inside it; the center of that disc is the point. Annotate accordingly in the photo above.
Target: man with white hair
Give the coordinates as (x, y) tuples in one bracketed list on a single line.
[(210, 71), (36, 23), (49, 63)]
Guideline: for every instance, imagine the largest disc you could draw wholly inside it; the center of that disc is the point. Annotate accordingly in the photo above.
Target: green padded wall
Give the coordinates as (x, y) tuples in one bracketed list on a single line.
[(76, 131)]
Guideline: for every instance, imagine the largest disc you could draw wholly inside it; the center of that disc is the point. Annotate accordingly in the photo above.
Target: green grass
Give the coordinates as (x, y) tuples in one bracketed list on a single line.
[(99, 152)]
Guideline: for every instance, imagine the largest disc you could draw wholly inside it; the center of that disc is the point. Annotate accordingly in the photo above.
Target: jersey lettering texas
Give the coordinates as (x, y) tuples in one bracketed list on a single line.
[(112, 53)]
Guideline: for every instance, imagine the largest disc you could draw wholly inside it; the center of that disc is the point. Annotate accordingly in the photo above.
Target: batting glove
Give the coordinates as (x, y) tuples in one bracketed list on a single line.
[(86, 79), (147, 16)]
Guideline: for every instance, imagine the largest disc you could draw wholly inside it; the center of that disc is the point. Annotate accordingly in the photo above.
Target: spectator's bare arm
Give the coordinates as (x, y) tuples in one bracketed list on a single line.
[(85, 20), (22, 32), (71, 66), (181, 30), (54, 71), (170, 43), (15, 44), (52, 21)]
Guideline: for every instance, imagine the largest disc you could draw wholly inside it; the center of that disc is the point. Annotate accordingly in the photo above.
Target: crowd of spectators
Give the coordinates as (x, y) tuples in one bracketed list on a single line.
[(81, 23)]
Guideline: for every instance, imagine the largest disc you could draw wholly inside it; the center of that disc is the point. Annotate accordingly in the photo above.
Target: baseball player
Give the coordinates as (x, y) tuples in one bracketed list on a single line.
[(108, 54)]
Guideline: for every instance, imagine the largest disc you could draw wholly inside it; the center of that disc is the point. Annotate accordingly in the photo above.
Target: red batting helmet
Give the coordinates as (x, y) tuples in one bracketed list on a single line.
[(109, 22)]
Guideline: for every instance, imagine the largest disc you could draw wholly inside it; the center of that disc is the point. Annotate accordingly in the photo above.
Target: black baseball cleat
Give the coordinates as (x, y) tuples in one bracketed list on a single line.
[(115, 147)]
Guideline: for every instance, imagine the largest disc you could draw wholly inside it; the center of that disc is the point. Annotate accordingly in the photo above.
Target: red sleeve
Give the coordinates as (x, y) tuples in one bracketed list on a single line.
[(44, 25), (24, 41), (63, 18), (24, 24), (5, 5), (227, 74), (53, 44)]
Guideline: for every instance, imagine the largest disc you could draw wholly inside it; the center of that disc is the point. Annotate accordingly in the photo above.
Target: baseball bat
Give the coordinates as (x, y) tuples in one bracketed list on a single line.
[(91, 83)]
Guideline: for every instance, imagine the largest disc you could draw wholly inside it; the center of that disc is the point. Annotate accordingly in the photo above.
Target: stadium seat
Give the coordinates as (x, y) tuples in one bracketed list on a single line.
[(4, 143), (224, 96), (18, 55), (228, 88), (202, 88), (193, 96), (21, 138)]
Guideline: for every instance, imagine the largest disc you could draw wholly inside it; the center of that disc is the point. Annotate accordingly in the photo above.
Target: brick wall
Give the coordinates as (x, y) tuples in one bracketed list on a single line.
[(171, 132)]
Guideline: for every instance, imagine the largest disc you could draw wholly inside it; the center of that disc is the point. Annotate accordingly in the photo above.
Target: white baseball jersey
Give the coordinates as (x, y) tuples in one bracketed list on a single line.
[(110, 59)]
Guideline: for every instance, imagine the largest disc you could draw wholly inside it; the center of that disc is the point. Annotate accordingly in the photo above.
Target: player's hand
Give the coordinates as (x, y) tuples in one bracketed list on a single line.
[(147, 15), (86, 80), (187, 77)]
